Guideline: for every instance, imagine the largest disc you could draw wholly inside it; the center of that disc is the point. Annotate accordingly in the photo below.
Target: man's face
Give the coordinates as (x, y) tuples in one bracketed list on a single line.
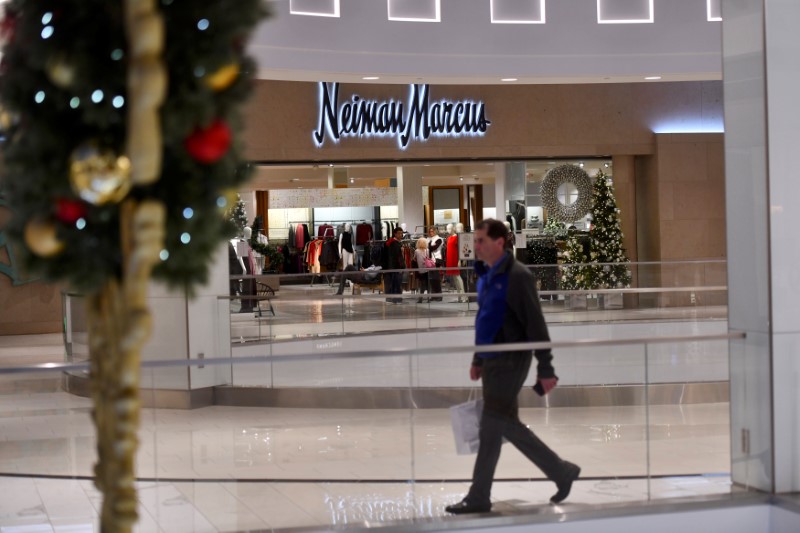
[(486, 248), (432, 232), (398, 234)]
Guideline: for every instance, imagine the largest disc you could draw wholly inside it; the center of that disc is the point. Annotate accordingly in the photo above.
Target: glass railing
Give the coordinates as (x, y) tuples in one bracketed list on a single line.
[(326, 433), (296, 306)]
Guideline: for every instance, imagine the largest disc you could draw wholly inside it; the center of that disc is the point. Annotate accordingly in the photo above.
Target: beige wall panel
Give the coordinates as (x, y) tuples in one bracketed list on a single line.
[(685, 239), (666, 202), (527, 121), (30, 308), (625, 191), (648, 235), (698, 201)]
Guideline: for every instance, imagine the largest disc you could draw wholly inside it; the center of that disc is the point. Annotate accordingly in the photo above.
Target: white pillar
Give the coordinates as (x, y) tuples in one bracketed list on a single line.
[(500, 190), (409, 198), (190, 328), (760, 47)]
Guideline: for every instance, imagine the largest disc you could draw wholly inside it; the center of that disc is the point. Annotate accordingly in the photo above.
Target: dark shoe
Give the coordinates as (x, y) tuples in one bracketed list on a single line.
[(571, 473), (464, 507)]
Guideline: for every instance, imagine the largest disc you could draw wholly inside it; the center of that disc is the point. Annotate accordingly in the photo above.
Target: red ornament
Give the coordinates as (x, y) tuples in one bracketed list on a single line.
[(8, 27), (208, 145), (69, 211)]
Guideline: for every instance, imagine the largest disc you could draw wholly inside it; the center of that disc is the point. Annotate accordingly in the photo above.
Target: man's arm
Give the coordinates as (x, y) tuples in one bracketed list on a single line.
[(526, 305)]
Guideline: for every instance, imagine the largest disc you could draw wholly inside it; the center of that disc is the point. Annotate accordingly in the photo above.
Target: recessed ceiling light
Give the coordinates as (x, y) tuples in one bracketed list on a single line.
[(508, 79), (461, 179), (370, 78), (295, 179), (652, 77)]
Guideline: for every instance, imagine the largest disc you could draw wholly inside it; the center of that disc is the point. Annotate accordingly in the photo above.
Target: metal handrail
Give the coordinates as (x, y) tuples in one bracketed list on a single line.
[(392, 352)]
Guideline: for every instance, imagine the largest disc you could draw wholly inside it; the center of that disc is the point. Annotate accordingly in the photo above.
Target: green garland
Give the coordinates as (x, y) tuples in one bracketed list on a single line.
[(64, 85)]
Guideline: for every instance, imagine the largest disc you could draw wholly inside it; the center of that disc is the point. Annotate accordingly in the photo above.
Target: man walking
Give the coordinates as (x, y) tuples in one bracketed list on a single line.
[(509, 312)]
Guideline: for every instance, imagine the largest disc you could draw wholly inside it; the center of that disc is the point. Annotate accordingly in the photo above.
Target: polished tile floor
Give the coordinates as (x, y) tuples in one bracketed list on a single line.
[(228, 469)]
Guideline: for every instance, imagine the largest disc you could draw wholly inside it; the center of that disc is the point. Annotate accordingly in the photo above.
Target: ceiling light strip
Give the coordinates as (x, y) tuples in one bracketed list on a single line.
[(437, 13), (335, 12), (601, 20), (496, 20)]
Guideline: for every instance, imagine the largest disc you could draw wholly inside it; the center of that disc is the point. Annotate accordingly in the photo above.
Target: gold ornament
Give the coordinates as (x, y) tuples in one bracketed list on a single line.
[(99, 176), (61, 72), (6, 119), (231, 196), (223, 77), (41, 238)]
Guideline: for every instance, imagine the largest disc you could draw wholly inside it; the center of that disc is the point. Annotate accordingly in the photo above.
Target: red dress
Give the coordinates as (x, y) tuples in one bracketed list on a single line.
[(452, 255)]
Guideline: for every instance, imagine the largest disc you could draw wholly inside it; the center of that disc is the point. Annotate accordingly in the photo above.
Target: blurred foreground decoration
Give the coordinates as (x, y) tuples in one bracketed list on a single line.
[(121, 151)]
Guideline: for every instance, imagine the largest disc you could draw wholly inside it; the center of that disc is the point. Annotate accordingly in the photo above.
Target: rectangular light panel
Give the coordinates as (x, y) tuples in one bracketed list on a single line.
[(624, 11), (714, 10), (415, 10), (314, 8), (517, 11)]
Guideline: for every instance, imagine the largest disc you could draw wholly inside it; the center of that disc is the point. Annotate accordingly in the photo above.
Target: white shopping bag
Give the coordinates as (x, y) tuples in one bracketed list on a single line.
[(466, 420)]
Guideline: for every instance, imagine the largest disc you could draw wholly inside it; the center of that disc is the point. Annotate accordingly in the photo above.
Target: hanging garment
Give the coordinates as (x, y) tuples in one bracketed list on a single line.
[(300, 240), (312, 255), (325, 230), (329, 255), (306, 234), (363, 233), (452, 255), (291, 240)]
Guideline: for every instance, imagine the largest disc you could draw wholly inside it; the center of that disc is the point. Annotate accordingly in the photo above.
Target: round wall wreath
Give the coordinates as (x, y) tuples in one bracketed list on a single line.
[(558, 176)]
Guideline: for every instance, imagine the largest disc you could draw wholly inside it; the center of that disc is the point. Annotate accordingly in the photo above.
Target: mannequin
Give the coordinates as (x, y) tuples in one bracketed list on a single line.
[(245, 255), (405, 230), (346, 251), (510, 242), (454, 274)]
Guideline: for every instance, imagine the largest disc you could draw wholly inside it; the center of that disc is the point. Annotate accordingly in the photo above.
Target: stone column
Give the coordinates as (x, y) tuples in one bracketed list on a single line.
[(409, 198)]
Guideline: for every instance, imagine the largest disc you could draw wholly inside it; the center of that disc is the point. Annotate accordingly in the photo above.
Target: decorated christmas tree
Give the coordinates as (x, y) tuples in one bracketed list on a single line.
[(119, 161), (606, 239), (237, 216), (555, 228), (574, 270), (73, 97)]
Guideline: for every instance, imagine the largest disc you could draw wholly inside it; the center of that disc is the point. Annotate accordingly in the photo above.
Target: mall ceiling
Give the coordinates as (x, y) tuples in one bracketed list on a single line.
[(466, 47)]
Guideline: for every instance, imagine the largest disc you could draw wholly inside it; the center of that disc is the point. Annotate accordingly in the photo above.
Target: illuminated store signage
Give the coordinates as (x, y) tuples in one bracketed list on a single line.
[(417, 119)]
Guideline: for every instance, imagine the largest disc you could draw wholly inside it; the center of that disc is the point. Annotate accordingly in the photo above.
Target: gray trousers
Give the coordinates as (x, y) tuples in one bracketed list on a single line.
[(503, 377)]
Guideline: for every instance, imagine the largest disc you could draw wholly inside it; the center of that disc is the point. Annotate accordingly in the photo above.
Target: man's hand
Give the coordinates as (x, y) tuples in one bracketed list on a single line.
[(475, 373), (548, 384)]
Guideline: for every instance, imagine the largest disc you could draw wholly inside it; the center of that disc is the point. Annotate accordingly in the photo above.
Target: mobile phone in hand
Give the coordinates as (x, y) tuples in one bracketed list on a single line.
[(539, 389)]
